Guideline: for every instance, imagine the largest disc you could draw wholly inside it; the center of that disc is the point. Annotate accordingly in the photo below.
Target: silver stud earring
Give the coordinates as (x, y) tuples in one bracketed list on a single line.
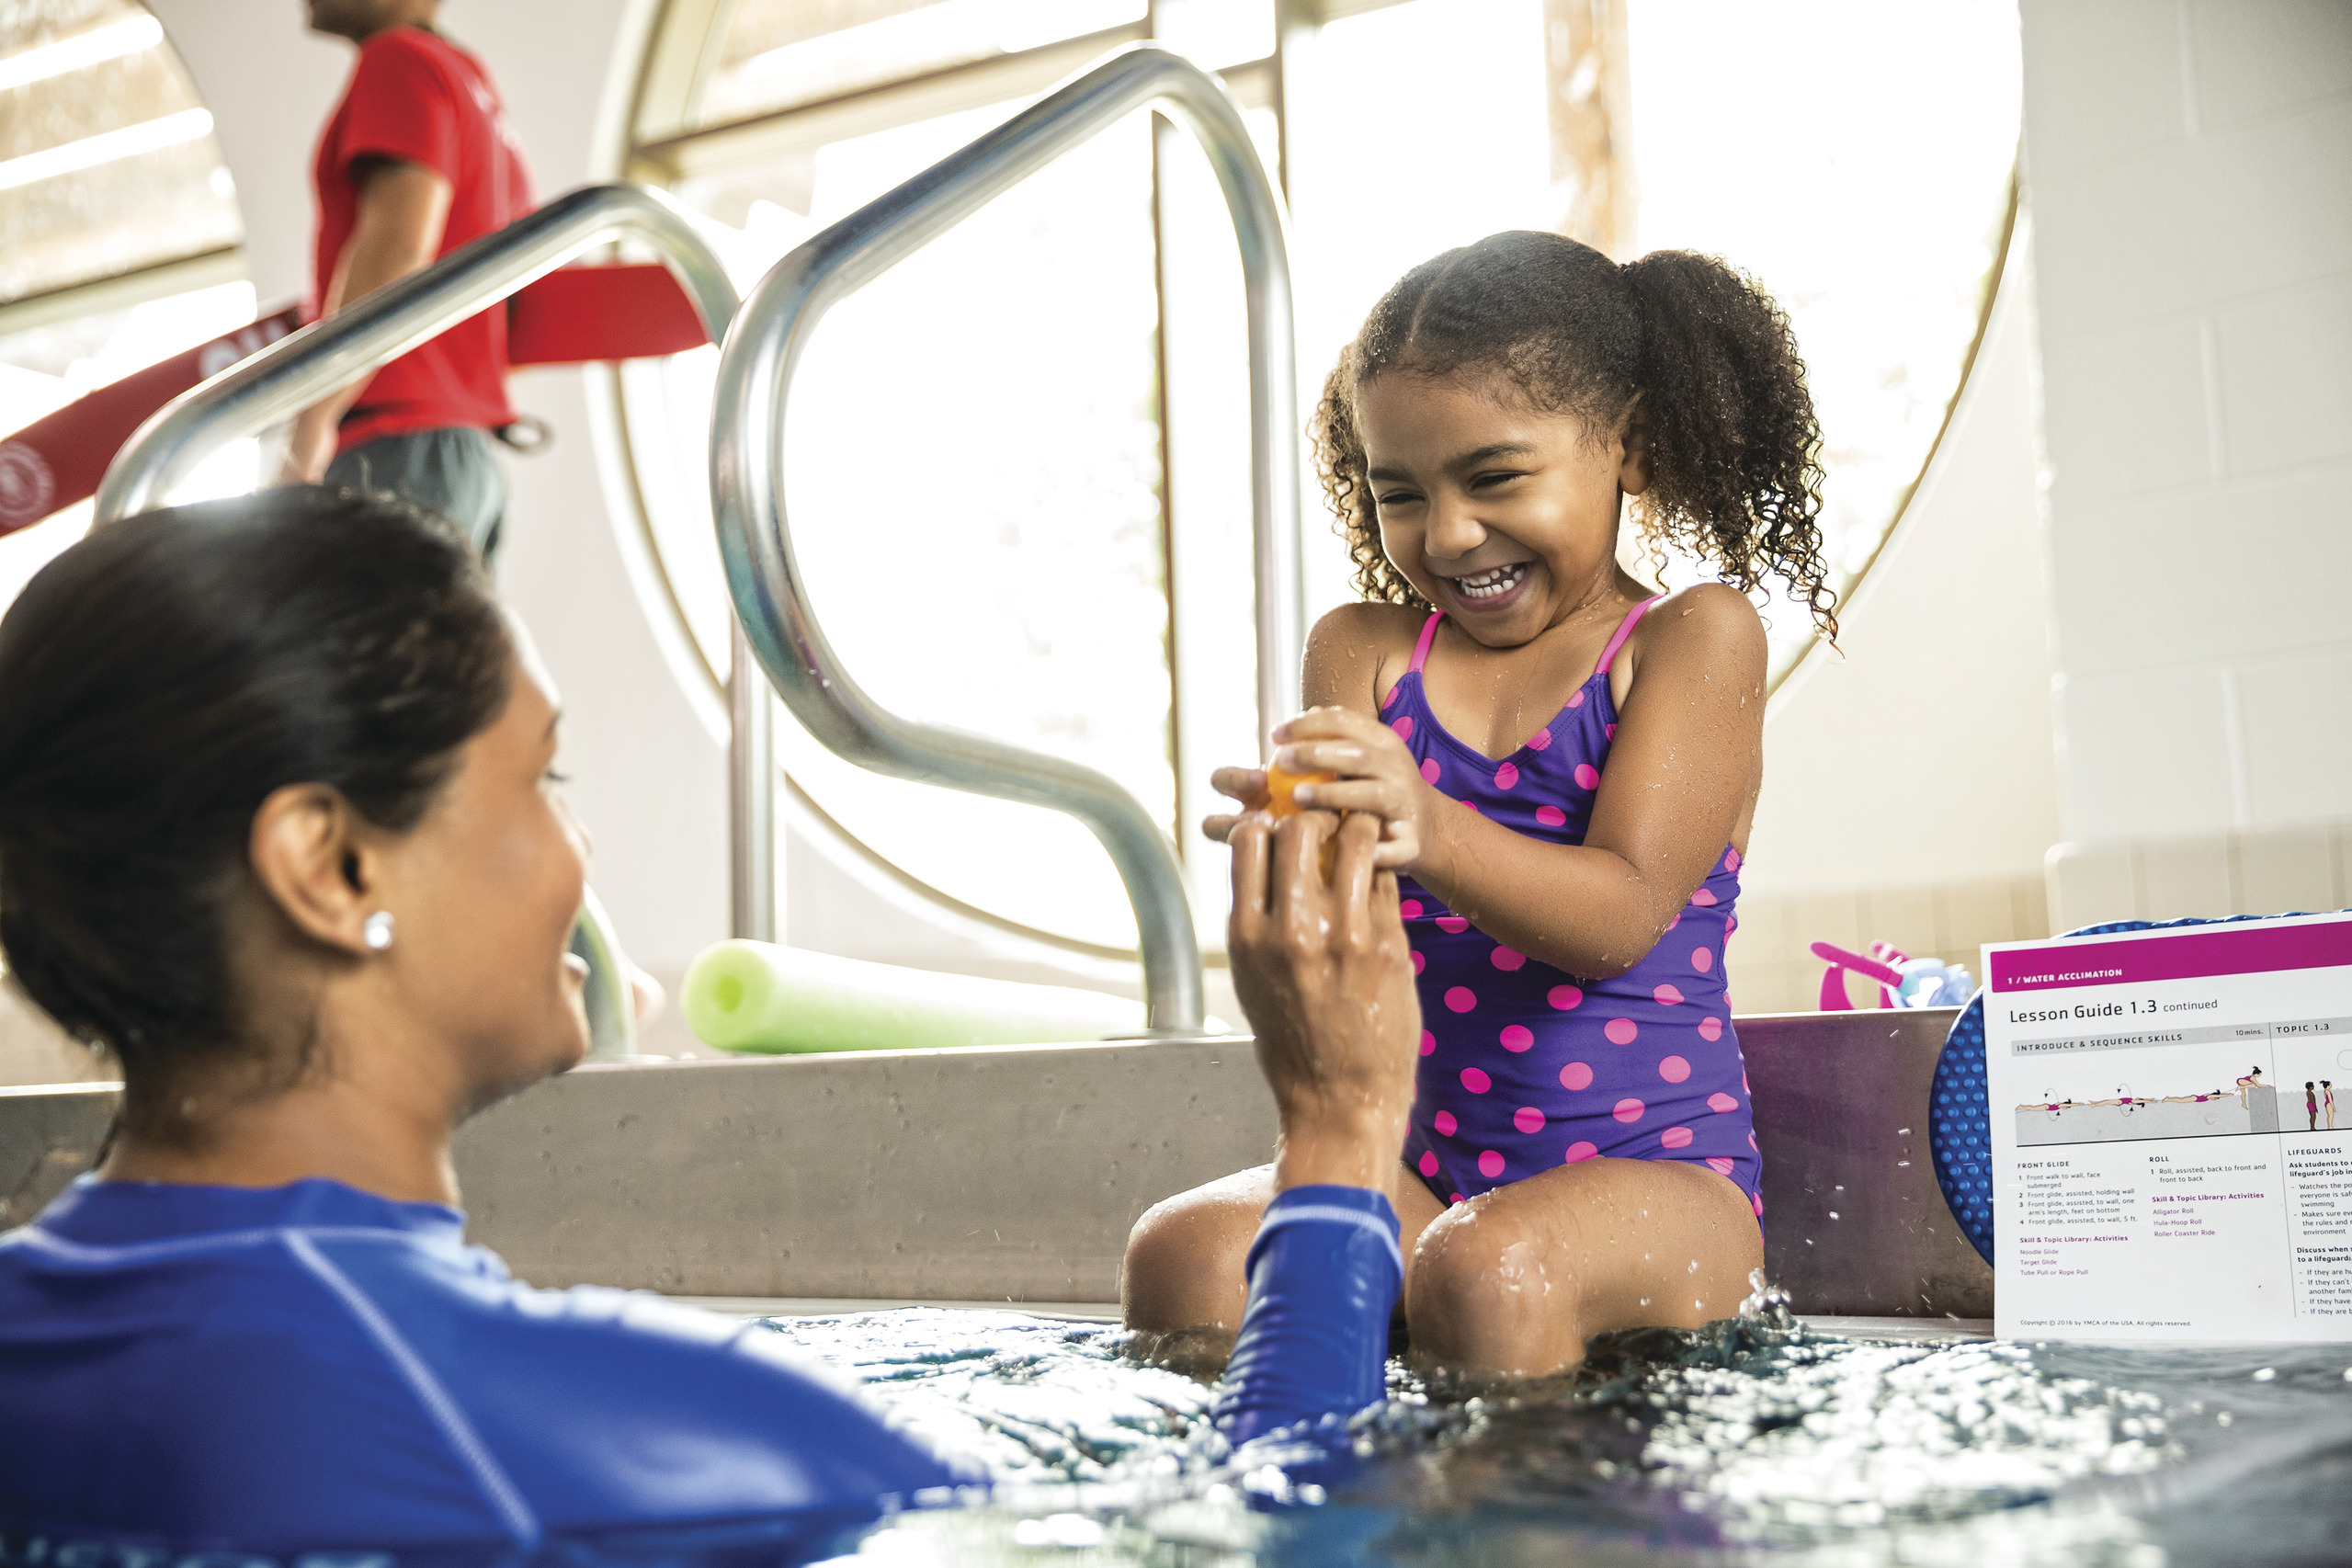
[(378, 931)]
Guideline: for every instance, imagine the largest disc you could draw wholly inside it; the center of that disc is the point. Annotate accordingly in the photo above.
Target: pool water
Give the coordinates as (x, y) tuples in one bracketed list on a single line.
[(1754, 1441)]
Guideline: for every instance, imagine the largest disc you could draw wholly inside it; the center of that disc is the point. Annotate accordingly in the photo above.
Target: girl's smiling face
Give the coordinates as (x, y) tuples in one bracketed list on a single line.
[(1503, 516)]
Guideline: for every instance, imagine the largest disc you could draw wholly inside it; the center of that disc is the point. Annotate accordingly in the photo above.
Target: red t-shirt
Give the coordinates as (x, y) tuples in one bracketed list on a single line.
[(419, 98)]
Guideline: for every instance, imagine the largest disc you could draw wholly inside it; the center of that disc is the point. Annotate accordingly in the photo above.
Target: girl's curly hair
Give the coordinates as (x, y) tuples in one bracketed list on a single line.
[(1734, 448)]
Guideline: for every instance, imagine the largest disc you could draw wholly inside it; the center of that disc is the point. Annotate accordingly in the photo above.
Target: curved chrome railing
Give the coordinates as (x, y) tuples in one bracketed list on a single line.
[(297, 370), (755, 538)]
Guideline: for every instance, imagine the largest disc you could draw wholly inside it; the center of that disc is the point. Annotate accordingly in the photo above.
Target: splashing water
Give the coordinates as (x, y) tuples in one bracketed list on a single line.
[(1754, 1439)]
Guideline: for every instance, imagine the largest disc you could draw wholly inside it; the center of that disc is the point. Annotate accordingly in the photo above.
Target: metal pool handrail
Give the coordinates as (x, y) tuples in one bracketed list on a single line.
[(771, 599), (299, 370)]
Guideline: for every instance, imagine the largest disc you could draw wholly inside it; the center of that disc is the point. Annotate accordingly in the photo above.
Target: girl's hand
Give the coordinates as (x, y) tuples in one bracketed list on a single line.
[(1376, 775)]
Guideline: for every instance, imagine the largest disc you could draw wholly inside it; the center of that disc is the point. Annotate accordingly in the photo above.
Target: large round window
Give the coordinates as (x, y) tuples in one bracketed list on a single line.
[(1018, 473)]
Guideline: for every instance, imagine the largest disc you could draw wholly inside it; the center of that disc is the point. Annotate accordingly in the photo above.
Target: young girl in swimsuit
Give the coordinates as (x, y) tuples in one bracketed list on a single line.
[(1567, 766)]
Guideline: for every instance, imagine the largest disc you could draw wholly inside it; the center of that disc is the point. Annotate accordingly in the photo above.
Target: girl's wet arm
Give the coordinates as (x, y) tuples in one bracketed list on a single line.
[(1679, 784)]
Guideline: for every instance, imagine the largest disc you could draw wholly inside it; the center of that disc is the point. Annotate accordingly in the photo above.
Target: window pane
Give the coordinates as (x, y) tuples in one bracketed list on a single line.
[(1852, 156), (45, 368), (781, 53), (1865, 189), (974, 491), (106, 159)]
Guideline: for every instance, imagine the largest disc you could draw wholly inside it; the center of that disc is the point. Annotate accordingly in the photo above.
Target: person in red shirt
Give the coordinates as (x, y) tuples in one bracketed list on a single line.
[(415, 162)]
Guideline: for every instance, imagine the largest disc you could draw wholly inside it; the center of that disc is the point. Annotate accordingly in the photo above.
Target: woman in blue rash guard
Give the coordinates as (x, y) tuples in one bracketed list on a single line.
[(278, 833)]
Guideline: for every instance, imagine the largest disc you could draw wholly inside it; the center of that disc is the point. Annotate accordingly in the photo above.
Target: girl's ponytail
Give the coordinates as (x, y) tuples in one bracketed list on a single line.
[(1734, 448)]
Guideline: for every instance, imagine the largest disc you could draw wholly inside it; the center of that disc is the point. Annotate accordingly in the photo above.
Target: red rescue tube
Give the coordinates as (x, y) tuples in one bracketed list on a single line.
[(573, 317)]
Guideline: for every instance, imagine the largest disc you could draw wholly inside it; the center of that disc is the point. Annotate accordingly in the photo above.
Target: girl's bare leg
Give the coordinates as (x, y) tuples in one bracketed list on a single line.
[(1516, 1280), (1183, 1273)]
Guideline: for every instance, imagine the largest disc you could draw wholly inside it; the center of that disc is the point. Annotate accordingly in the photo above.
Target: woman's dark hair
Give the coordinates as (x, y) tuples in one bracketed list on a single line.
[(1734, 448), (158, 681)]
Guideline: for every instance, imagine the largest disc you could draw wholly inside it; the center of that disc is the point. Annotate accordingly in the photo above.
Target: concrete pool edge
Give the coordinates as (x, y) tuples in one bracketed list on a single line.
[(1010, 1174)]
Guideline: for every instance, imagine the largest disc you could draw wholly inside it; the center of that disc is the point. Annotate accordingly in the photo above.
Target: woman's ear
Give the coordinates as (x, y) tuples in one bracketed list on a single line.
[(308, 853), (1634, 468)]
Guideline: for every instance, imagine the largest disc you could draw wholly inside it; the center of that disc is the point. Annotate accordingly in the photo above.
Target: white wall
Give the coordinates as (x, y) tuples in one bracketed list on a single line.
[(2190, 172)]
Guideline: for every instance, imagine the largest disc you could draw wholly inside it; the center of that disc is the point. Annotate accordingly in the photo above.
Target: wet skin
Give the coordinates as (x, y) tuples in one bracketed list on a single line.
[(1474, 488)]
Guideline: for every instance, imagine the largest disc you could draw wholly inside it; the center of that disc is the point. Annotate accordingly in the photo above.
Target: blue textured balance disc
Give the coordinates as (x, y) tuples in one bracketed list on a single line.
[(1960, 1127)]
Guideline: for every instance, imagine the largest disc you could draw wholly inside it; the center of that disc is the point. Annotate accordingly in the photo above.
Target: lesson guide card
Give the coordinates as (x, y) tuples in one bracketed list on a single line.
[(2172, 1132)]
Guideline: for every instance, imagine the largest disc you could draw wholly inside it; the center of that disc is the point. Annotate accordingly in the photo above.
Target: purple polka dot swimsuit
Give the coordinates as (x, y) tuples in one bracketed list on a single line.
[(1524, 1066)]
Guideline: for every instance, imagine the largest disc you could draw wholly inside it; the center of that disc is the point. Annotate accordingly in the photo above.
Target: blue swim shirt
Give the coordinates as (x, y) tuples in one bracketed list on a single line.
[(312, 1368)]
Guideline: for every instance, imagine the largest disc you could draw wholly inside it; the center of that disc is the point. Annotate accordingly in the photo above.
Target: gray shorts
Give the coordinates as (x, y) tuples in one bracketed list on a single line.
[(451, 470)]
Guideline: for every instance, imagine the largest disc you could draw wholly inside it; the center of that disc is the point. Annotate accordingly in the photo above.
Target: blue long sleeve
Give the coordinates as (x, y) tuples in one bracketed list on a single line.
[(1324, 1276)]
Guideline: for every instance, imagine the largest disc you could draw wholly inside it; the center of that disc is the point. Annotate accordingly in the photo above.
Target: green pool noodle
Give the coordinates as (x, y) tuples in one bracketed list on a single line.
[(756, 996)]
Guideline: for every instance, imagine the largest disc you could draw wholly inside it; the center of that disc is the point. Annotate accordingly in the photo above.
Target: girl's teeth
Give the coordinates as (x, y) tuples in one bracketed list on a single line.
[(1491, 584)]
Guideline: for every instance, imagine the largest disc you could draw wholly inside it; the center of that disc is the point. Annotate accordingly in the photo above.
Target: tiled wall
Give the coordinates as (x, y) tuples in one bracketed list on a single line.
[(1770, 964), (2190, 170), (2305, 868)]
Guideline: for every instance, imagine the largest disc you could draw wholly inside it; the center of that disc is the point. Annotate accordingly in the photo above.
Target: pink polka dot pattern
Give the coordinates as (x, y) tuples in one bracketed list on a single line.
[(1643, 1065), (1755, 1200)]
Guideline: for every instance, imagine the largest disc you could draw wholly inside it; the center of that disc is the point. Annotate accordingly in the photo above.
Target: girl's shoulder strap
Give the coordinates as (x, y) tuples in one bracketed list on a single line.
[(1428, 635), (1617, 638)]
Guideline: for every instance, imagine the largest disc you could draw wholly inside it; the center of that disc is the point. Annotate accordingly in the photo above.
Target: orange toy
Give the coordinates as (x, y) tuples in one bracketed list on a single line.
[(1281, 790), (1280, 798)]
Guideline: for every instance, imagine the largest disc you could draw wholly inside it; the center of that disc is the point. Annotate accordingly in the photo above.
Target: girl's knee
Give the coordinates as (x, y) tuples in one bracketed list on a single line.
[(1485, 1290), (1183, 1267)]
